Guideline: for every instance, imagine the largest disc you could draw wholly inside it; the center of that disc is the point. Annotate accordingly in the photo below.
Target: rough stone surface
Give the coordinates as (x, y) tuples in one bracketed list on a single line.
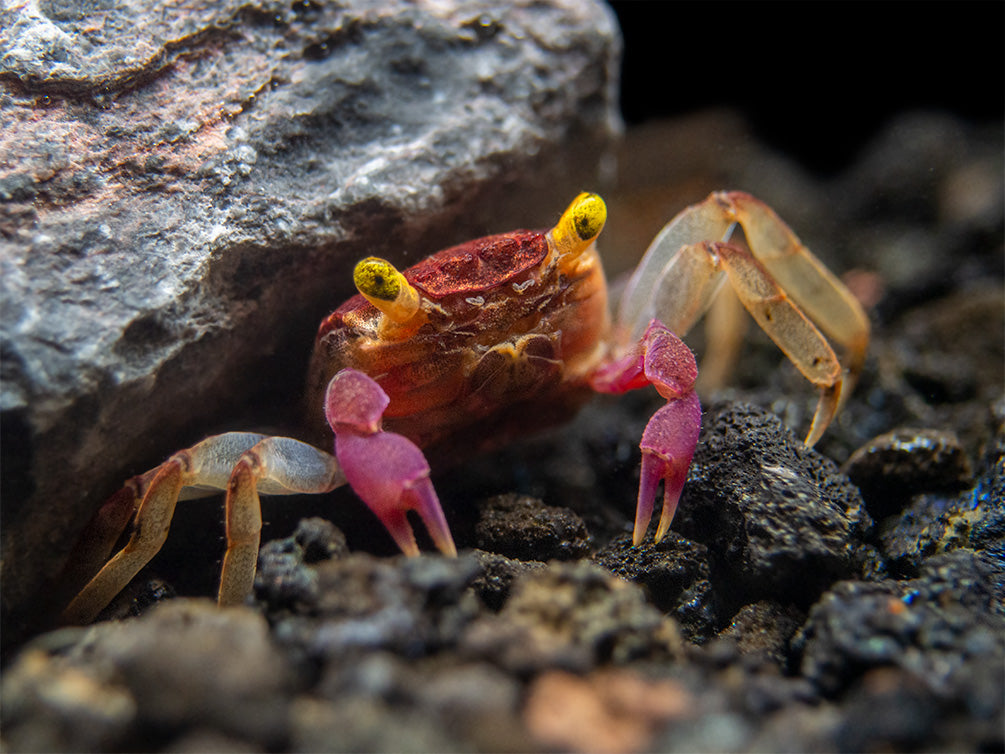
[(521, 527), (941, 627), (567, 616), (894, 466), (933, 523), (781, 519), (675, 574), (185, 189), (234, 681)]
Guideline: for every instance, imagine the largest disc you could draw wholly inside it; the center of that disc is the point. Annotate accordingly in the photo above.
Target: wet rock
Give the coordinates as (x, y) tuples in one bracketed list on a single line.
[(934, 523), (524, 528), (780, 520), (572, 616), (892, 467), (939, 628), (185, 194), (675, 575)]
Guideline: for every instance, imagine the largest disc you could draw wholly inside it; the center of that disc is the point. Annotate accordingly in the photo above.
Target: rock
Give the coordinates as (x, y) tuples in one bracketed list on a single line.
[(612, 710), (497, 575), (184, 194), (940, 628), (675, 574), (573, 616), (892, 467), (765, 629), (779, 520), (936, 523), (186, 664), (283, 576), (386, 703), (522, 527), (49, 704), (359, 604)]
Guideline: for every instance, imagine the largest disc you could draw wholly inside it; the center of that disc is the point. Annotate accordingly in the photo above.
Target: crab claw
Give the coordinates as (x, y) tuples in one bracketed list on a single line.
[(662, 360), (668, 444), (386, 470)]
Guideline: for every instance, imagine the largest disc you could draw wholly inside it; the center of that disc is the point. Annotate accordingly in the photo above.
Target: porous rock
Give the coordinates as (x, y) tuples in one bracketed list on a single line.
[(675, 575), (360, 604), (184, 192), (122, 679), (524, 528), (940, 628), (892, 467), (573, 616), (781, 520)]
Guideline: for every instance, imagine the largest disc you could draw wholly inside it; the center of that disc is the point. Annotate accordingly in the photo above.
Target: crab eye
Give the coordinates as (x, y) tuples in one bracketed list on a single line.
[(579, 225), (589, 213), (377, 278), (387, 289)]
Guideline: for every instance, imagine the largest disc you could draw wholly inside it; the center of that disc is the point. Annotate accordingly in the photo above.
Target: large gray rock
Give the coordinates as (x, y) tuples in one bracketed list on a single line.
[(184, 193)]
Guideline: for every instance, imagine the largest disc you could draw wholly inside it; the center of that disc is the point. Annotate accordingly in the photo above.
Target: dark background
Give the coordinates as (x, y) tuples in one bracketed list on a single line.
[(816, 79)]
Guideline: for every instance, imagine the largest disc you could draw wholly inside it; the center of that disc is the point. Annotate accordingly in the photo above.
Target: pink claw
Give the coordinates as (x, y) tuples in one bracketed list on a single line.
[(668, 442), (386, 470)]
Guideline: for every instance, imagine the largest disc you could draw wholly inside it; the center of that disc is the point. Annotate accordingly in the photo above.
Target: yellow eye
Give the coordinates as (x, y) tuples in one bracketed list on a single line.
[(589, 213), (578, 226), (383, 286), (378, 278)]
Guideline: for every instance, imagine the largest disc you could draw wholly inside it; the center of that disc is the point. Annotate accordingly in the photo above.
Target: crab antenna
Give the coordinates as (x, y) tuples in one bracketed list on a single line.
[(578, 227), (382, 285)]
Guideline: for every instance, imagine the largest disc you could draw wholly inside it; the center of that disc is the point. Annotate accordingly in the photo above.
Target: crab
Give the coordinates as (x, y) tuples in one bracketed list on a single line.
[(474, 344)]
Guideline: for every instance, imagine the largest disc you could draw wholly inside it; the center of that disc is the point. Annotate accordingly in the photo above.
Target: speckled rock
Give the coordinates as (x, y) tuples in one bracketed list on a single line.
[(936, 523), (675, 575), (184, 190), (572, 616), (411, 606), (939, 628), (917, 663), (779, 519), (121, 681), (524, 528), (386, 703), (283, 576), (765, 629), (496, 576)]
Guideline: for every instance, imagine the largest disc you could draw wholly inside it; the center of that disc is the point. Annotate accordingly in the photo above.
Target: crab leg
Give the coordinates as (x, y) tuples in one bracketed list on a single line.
[(814, 288), (274, 466), (386, 470), (784, 287), (670, 437), (277, 466)]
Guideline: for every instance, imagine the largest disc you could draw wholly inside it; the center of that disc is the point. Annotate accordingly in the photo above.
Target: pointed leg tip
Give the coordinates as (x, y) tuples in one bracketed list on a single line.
[(450, 551)]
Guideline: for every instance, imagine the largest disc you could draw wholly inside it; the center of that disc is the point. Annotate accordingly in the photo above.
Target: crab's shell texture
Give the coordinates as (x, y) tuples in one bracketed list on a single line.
[(507, 340)]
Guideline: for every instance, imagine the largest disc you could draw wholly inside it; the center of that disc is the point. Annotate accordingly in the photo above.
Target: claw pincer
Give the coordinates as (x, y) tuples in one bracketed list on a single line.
[(660, 359), (386, 470)]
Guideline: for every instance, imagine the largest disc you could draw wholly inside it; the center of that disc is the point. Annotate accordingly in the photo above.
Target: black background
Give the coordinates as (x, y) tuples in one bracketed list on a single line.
[(816, 79)]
